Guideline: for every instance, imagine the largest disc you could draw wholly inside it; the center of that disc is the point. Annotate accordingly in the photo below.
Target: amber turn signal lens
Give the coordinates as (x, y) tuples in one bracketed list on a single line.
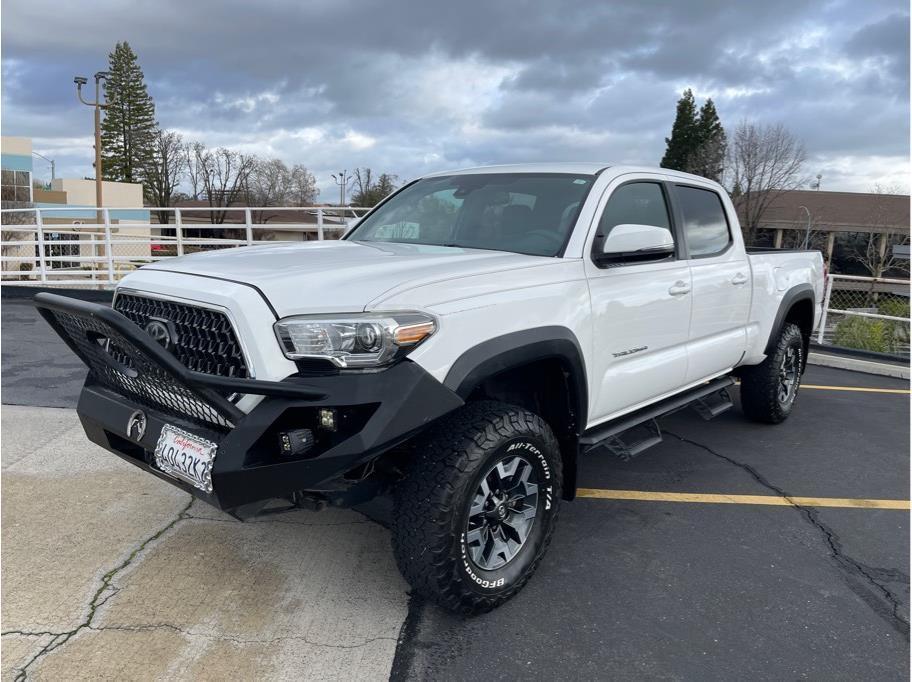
[(413, 333)]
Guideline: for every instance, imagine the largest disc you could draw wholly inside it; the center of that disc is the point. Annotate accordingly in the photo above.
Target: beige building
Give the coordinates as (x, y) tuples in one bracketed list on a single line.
[(69, 219)]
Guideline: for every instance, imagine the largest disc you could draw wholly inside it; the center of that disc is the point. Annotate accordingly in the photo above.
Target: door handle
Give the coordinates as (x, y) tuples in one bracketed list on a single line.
[(679, 288), (739, 279)]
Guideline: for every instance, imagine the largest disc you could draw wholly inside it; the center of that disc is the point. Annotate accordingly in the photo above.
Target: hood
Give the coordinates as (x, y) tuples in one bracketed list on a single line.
[(340, 276)]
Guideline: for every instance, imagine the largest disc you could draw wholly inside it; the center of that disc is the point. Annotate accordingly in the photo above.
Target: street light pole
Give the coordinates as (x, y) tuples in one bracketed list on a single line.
[(807, 232), (341, 180), (50, 161), (97, 104)]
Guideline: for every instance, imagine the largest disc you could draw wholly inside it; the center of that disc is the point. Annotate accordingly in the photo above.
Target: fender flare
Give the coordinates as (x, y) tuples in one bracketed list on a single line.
[(798, 293), (516, 349)]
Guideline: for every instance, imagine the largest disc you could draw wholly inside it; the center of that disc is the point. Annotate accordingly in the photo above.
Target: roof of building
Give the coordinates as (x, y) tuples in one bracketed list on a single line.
[(845, 209)]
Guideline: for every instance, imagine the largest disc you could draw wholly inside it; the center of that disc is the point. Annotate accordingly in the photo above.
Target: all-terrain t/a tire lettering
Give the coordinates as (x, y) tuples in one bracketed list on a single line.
[(476, 510)]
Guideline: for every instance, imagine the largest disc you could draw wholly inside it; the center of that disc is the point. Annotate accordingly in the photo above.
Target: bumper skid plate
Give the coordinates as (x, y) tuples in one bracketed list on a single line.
[(135, 389)]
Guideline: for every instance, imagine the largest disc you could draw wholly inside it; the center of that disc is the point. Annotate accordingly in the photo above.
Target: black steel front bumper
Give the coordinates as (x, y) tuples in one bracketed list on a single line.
[(129, 372)]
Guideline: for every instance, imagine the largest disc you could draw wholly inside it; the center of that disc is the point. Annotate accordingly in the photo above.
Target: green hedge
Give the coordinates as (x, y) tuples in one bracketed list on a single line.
[(865, 333)]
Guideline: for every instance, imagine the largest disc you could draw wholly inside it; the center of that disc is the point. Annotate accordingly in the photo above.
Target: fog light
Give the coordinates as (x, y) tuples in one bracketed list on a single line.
[(328, 418), (296, 443)]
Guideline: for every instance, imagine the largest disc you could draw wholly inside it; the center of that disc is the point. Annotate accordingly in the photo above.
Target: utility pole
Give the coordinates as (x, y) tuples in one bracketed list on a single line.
[(98, 105)]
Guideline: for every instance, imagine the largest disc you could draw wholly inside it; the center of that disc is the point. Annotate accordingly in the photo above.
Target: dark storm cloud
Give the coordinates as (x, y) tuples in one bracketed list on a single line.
[(887, 39), (413, 86)]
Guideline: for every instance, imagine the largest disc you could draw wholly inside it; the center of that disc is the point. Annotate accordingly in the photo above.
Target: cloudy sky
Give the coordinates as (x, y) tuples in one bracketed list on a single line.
[(409, 87)]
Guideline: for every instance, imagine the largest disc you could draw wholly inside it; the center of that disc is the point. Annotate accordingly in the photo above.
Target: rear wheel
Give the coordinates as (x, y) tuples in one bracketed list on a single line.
[(769, 390), (476, 510)]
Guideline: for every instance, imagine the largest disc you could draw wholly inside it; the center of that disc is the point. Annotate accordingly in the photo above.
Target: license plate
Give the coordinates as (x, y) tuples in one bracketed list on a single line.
[(185, 456)]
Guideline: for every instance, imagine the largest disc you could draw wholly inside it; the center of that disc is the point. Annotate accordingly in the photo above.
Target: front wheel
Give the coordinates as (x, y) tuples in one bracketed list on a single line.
[(476, 510), (769, 390)]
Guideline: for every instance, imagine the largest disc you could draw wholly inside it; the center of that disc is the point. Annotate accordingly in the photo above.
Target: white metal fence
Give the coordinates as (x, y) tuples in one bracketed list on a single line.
[(49, 246), (866, 313)]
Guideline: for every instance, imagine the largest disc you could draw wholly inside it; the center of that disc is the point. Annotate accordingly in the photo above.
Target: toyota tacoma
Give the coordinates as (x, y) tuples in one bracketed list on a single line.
[(461, 348)]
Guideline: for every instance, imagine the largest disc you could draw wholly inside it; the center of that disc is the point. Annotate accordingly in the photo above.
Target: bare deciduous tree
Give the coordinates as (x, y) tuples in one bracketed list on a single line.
[(272, 183), (221, 175), (763, 162), (875, 251), (165, 170), (193, 154), (303, 190), (268, 184)]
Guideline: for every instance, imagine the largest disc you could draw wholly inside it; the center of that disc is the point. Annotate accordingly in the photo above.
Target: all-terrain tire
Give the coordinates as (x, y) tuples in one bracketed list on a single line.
[(762, 385), (432, 504)]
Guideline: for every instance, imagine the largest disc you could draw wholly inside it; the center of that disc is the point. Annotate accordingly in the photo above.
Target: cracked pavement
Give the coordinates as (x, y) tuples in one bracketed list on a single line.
[(652, 590), (104, 585), (111, 574), (893, 612)]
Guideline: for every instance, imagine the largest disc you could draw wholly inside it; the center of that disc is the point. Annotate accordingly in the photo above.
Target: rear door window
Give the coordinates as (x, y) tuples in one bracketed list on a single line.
[(706, 229)]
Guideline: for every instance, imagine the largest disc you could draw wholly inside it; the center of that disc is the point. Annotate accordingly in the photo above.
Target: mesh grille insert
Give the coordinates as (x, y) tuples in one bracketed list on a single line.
[(204, 339), (124, 367)]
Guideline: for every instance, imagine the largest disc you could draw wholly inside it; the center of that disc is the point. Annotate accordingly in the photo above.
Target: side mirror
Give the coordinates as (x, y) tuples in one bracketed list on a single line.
[(629, 242)]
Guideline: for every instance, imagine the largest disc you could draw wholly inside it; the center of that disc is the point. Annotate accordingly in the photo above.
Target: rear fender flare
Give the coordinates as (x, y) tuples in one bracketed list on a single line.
[(798, 293)]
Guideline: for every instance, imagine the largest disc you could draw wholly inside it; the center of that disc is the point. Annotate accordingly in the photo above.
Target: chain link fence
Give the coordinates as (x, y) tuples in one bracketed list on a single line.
[(866, 313)]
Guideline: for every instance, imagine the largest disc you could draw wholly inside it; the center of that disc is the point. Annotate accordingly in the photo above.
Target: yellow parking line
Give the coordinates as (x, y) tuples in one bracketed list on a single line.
[(903, 391), (772, 500), (861, 389)]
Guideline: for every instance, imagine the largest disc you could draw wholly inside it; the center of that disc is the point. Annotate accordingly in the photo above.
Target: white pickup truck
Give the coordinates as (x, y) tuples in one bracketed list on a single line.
[(461, 346)]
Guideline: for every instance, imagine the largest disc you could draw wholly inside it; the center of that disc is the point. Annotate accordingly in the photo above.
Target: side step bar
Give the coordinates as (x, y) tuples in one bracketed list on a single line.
[(620, 436)]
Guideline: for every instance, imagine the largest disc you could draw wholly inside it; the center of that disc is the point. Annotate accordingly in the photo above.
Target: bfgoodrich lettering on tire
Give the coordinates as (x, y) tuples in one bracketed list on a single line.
[(477, 507)]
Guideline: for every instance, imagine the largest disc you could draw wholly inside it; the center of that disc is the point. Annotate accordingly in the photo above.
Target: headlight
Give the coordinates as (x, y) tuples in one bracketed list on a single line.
[(361, 340)]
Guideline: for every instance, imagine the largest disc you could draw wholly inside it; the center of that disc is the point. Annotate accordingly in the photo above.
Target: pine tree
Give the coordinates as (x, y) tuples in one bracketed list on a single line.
[(707, 158), (128, 130), (684, 134)]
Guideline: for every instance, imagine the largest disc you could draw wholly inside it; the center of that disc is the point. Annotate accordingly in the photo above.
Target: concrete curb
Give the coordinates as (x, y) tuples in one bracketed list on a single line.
[(858, 365)]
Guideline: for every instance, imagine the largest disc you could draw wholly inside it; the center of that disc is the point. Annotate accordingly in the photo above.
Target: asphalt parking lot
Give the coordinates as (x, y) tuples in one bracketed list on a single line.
[(109, 573)]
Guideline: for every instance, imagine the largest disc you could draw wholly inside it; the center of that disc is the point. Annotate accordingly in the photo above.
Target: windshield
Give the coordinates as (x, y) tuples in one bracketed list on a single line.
[(529, 213)]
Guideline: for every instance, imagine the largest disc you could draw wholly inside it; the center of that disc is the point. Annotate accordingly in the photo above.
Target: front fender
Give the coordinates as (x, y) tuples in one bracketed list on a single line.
[(521, 348)]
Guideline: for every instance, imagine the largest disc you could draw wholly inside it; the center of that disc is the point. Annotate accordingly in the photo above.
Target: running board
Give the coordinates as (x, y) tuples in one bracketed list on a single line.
[(713, 405), (620, 436)]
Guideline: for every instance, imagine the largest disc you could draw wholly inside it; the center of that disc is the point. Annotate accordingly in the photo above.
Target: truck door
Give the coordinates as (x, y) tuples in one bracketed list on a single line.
[(640, 309), (721, 280)]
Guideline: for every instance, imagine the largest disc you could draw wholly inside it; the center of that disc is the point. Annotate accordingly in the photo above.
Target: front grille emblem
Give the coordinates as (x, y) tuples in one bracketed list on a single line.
[(136, 425), (159, 331)]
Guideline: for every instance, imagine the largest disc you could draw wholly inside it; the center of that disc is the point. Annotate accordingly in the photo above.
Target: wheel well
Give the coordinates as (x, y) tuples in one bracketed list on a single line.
[(545, 387), (802, 314)]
